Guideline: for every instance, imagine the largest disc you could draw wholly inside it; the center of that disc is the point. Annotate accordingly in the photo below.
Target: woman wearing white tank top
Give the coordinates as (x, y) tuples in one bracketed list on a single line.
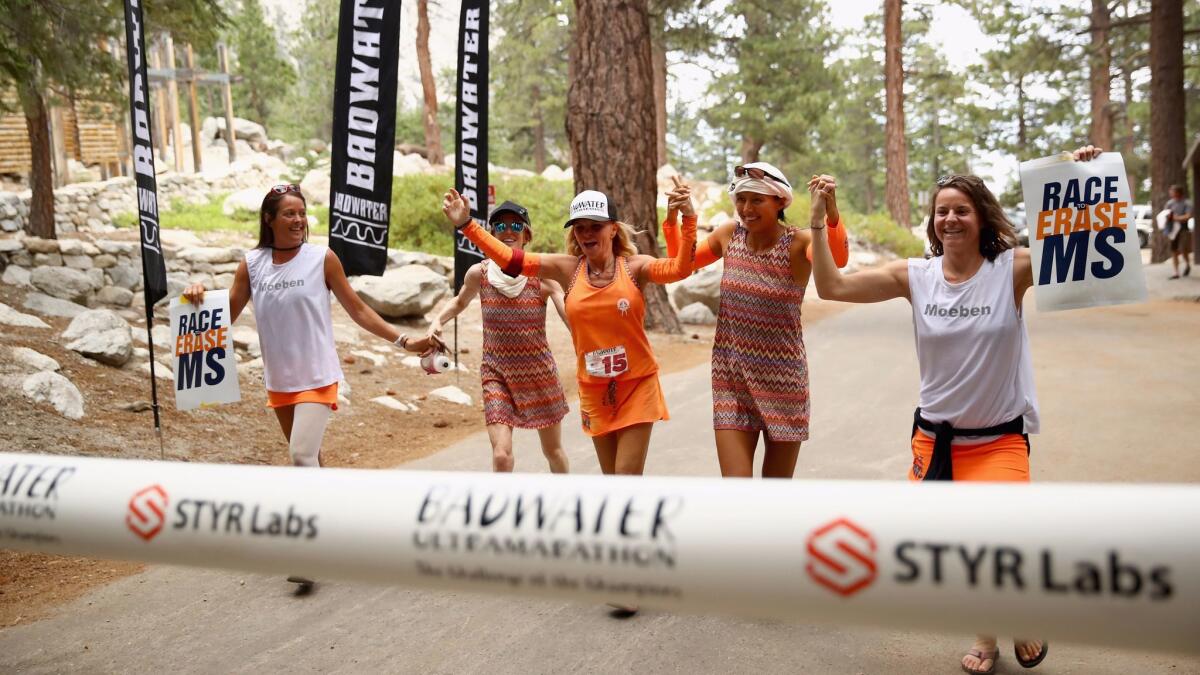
[(289, 281), (972, 348)]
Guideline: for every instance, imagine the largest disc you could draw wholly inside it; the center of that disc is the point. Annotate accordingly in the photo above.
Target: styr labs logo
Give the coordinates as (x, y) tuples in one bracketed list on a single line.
[(841, 557), (147, 512)]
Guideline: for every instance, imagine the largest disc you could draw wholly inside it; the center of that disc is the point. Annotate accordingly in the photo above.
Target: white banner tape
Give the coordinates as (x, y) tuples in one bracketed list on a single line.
[(1117, 565)]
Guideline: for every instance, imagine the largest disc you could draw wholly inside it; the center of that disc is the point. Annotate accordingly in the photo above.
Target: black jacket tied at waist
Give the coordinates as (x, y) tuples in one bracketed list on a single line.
[(940, 467)]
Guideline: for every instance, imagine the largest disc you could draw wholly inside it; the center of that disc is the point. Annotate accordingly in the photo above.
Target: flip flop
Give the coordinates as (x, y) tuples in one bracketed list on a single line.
[(979, 654), (1035, 660)]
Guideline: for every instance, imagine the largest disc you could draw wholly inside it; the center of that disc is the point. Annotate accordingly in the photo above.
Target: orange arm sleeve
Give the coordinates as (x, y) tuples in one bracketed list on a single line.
[(678, 267), (839, 245), (511, 262), (705, 255), (670, 230)]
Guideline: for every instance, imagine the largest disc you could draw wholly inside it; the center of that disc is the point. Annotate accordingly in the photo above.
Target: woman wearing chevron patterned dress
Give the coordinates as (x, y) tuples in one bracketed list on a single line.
[(759, 366), (520, 379)]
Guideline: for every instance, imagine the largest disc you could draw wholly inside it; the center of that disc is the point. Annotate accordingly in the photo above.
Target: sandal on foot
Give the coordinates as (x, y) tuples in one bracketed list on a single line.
[(1036, 659), (992, 656), (622, 611)]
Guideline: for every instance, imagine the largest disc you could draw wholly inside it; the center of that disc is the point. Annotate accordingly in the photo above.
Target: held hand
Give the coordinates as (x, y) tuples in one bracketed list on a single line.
[(818, 209), (1087, 153), (457, 208), (680, 198), (194, 293), (827, 186), (435, 329)]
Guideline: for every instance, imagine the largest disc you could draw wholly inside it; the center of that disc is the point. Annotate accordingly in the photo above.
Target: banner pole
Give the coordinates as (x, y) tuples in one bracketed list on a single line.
[(162, 453)]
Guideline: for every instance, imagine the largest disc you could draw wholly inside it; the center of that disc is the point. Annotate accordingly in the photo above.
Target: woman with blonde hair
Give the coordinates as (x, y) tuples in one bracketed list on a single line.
[(619, 393)]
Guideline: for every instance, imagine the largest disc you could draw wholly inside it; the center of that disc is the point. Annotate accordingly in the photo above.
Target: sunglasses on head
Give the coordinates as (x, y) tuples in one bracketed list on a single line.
[(757, 174), (285, 188), (501, 227)]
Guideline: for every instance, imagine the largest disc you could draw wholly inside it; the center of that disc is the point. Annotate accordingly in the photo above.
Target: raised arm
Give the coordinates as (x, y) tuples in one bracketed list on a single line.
[(457, 209), (877, 285), (665, 270), (708, 251)]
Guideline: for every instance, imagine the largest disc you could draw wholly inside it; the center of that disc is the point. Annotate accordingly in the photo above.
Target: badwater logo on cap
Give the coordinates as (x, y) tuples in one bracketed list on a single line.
[(592, 204)]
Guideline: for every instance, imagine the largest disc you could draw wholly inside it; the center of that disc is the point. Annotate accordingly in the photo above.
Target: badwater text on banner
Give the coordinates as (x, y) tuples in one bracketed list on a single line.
[(1115, 565), (471, 130), (1081, 239), (364, 122)]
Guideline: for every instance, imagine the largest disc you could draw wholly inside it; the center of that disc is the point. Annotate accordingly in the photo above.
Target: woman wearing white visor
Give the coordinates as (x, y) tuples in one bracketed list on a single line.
[(759, 366)]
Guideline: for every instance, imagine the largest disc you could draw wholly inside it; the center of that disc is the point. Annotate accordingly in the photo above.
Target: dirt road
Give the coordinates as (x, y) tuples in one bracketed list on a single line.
[(1118, 404)]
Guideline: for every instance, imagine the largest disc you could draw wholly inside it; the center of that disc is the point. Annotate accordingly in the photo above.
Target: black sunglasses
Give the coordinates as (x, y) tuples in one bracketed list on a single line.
[(757, 174), (284, 188)]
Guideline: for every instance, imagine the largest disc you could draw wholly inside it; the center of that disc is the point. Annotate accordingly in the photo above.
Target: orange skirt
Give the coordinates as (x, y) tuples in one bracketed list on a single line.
[(1004, 459), (327, 395), (605, 408)]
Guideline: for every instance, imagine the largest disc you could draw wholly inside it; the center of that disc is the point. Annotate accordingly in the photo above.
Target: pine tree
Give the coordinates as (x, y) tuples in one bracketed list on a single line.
[(266, 77)]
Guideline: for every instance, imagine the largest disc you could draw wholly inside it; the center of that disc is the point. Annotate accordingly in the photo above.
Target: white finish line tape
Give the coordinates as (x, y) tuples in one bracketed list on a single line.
[(1117, 565)]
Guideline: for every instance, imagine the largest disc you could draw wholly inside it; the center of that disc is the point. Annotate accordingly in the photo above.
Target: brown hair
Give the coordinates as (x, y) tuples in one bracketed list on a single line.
[(268, 210), (622, 243), (996, 234)]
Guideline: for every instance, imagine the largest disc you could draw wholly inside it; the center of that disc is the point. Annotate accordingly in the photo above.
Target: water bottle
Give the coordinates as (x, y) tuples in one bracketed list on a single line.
[(435, 363)]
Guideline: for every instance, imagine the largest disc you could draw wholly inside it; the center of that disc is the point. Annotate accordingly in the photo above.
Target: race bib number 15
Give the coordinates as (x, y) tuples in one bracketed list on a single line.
[(609, 362)]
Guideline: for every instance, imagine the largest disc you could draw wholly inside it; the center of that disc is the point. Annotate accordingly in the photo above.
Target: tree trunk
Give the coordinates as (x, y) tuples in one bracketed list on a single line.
[(659, 64), (539, 129), (433, 135), (1100, 77), (1022, 121), (896, 190), (1167, 136), (610, 123), (750, 149), (41, 175)]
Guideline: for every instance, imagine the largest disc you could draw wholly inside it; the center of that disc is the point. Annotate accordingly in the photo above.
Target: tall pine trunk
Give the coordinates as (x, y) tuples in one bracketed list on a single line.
[(433, 135), (1100, 77), (1167, 135), (41, 173), (610, 123), (659, 65), (539, 129), (896, 150)]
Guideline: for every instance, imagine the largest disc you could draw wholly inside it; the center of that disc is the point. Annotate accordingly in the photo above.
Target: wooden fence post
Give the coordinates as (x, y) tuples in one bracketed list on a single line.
[(227, 96)]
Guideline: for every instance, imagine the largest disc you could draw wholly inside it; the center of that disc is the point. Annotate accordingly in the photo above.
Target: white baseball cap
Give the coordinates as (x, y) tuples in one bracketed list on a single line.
[(591, 205)]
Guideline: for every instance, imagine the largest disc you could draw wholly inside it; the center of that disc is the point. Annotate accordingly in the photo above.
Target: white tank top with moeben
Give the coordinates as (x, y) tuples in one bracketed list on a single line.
[(972, 347), (295, 329)]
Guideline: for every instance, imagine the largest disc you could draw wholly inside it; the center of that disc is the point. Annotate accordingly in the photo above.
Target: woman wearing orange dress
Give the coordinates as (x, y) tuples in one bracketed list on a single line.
[(619, 394)]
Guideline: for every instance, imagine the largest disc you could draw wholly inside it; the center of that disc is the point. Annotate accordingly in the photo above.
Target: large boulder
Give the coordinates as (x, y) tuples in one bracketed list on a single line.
[(697, 314), (11, 317), (439, 264), (243, 202), (403, 165), (703, 286), (243, 130), (212, 255), (62, 282), (315, 187), (15, 275), (48, 306), (50, 387), (125, 276), (401, 292), (115, 295), (33, 360), (452, 394), (101, 334)]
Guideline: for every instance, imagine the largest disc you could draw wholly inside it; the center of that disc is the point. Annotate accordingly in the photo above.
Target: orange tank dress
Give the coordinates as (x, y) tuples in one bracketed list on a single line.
[(615, 367)]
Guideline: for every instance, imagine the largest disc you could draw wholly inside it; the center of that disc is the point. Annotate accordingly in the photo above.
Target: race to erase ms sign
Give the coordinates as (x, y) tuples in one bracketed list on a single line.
[(1081, 235), (202, 344)]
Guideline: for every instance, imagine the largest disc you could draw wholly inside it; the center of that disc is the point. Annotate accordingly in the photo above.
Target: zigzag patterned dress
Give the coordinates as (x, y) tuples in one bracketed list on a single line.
[(759, 367), (520, 379)]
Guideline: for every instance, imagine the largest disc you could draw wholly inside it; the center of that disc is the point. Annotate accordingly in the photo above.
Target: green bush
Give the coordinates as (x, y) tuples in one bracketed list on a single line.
[(210, 217), (880, 229), (418, 223)]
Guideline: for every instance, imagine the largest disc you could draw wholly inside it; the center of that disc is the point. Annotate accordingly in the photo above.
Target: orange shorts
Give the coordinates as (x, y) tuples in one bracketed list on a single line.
[(631, 402), (1004, 459), (326, 395)]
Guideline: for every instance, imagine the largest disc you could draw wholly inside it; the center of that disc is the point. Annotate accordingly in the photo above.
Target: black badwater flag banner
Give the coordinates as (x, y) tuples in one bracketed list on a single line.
[(364, 133), (154, 270), (470, 135)]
